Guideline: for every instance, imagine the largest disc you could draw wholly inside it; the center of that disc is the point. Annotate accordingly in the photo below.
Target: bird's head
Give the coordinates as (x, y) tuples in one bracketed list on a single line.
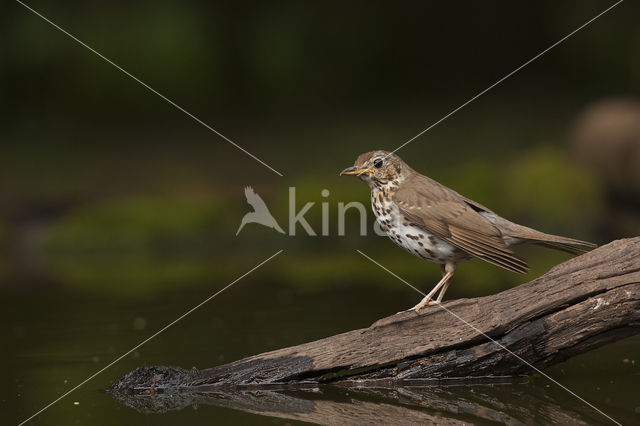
[(378, 168)]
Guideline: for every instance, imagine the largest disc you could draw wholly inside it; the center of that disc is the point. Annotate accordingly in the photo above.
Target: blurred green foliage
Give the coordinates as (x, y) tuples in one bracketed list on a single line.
[(151, 243), (135, 225), (545, 187), (102, 182), (154, 243)]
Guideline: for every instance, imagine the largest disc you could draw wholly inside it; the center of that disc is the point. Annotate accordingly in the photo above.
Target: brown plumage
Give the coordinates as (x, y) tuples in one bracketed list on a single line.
[(436, 223)]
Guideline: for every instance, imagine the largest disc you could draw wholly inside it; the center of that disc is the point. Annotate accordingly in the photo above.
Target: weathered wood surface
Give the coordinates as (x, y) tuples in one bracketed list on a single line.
[(579, 305)]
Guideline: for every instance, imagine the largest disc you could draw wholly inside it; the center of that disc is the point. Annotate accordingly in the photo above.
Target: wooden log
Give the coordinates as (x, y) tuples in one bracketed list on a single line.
[(578, 305)]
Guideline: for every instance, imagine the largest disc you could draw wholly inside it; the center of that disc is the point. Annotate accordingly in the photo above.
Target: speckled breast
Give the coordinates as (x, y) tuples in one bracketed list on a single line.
[(415, 240)]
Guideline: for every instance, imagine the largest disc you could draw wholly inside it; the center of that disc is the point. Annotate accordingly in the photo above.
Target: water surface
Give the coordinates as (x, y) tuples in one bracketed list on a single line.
[(57, 337)]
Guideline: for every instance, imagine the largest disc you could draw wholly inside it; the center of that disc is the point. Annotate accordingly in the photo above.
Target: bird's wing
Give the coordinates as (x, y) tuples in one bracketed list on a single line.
[(254, 199), (446, 214)]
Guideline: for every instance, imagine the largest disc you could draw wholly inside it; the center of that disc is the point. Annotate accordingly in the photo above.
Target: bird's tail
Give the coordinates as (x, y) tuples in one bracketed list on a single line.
[(569, 245)]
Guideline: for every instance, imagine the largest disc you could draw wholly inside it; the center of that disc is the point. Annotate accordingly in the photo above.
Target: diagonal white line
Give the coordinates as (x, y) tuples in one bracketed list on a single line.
[(150, 88), (149, 338), (496, 342), (507, 76)]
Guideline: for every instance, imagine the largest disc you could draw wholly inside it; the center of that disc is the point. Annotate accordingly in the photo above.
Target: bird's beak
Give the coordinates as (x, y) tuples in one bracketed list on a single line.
[(353, 170)]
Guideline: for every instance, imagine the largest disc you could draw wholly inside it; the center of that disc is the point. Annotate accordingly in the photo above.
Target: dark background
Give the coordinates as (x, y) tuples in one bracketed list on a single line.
[(119, 212)]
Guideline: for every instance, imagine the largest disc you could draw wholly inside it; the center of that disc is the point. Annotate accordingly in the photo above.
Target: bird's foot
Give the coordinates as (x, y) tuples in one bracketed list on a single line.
[(424, 302)]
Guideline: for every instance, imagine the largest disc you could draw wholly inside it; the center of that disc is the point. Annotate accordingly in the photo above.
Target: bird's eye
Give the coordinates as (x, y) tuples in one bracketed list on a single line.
[(377, 163)]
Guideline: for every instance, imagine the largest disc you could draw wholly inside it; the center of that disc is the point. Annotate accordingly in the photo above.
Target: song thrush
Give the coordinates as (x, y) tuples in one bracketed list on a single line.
[(437, 224)]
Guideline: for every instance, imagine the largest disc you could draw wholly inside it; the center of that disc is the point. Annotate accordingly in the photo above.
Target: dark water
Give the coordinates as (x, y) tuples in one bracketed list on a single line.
[(56, 338)]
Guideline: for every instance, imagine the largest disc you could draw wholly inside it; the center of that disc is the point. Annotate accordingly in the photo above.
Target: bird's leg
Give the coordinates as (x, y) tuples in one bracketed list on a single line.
[(444, 272), (449, 270), (441, 294), (452, 268), (424, 302)]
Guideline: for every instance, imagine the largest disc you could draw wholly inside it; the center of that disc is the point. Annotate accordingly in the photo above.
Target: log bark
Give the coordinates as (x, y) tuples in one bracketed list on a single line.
[(578, 305)]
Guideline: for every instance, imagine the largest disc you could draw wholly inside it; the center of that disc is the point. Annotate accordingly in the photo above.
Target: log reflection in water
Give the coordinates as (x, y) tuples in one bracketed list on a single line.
[(513, 404)]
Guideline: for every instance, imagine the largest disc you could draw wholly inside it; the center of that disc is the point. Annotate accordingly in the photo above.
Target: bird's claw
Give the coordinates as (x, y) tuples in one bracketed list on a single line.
[(422, 304)]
